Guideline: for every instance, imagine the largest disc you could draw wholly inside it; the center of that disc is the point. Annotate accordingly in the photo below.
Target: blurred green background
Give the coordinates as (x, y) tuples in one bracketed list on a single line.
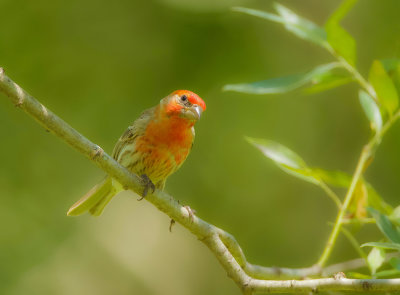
[(99, 64)]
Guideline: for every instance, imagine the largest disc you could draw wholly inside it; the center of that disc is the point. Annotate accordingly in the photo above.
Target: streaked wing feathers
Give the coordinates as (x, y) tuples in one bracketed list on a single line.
[(136, 129)]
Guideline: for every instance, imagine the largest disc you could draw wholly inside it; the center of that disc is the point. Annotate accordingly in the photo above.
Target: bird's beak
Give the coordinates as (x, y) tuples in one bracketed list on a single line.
[(193, 112)]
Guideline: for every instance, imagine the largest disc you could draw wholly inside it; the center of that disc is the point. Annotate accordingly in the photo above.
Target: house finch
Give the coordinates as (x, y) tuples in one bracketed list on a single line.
[(154, 147)]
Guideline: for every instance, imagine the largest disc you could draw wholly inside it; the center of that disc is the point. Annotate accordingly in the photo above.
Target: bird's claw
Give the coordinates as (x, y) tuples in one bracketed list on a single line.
[(148, 184), (191, 213)]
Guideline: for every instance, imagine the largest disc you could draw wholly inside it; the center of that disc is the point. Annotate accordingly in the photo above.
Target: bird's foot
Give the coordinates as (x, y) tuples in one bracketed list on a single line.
[(148, 184), (191, 212)]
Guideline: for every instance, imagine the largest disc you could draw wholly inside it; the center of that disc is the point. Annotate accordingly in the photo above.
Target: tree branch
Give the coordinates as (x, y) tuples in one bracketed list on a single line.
[(222, 244)]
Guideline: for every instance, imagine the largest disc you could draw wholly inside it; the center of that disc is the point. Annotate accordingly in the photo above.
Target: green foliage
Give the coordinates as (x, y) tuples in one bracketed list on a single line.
[(395, 263), (379, 101), (371, 110), (391, 231), (284, 158), (384, 87), (299, 26), (334, 178), (395, 216), (375, 259), (377, 254), (333, 37), (390, 246), (284, 84), (392, 68), (340, 40), (376, 201), (328, 81)]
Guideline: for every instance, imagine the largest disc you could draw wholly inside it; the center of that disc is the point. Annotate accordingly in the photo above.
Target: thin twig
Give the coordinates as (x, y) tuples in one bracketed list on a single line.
[(356, 74), (338, 223), (351, 265), (221, 243), (366, 154)]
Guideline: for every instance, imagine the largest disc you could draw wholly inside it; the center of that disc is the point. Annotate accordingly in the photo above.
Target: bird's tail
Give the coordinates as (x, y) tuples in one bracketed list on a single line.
[(97, 198)]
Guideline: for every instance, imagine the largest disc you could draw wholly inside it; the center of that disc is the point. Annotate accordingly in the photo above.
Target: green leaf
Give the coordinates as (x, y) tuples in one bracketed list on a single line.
[(371, 110), (282, 84), (335, 178), (327, 81), (376, 201), (390, 64), (395, 216), (392, 67), (340, 40), (357, 275), (375, 259), (385, 225), (284, 158), (301, 27), (342, 179), (342, 10), (395, 262), (258, 13), (387, 273), (384, 87), (390, 246)]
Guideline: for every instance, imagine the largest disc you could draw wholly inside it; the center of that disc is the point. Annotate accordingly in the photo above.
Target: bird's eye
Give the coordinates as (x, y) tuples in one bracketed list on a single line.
[(184, 97)]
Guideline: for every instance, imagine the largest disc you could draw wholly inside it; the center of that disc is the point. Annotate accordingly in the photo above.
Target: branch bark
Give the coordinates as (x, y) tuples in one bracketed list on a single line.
[(249, 278)]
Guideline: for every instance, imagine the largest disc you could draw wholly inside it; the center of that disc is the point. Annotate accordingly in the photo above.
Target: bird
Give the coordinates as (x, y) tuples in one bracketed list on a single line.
[(153, 147)]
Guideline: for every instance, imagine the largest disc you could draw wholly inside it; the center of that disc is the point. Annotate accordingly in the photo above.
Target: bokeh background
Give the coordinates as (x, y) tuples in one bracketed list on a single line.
[(98, 64)]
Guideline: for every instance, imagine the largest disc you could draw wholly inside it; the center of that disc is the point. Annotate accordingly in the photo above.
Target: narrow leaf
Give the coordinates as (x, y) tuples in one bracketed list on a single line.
[(392, 67), (328, 81), (342, 179), (340, 40), (271, 86), (282, 84), (335, 178), (342, 10), (385, 225), (284, 158), (262, 14), (384, 87), (371, 110), (395, 262), (387, 273), (278, 153), (375, 259), (395, 216), (301, 27), (390, 246), (357, 275), (376, 201)]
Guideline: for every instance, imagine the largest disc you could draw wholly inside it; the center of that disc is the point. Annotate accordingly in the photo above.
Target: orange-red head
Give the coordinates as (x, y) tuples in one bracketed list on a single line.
[(184, 104)]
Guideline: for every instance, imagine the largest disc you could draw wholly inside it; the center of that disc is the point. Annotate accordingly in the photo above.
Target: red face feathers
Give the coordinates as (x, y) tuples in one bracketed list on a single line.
[(183, 103)]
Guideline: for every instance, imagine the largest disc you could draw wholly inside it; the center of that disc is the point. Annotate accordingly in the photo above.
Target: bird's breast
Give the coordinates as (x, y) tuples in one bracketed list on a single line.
[(167, 144)]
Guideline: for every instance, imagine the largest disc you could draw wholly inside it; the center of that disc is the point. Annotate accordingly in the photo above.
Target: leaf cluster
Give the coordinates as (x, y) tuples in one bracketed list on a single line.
[(379, 99)]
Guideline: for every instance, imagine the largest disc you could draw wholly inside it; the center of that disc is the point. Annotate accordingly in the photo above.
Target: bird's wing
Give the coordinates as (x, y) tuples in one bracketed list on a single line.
[(135, 130)]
